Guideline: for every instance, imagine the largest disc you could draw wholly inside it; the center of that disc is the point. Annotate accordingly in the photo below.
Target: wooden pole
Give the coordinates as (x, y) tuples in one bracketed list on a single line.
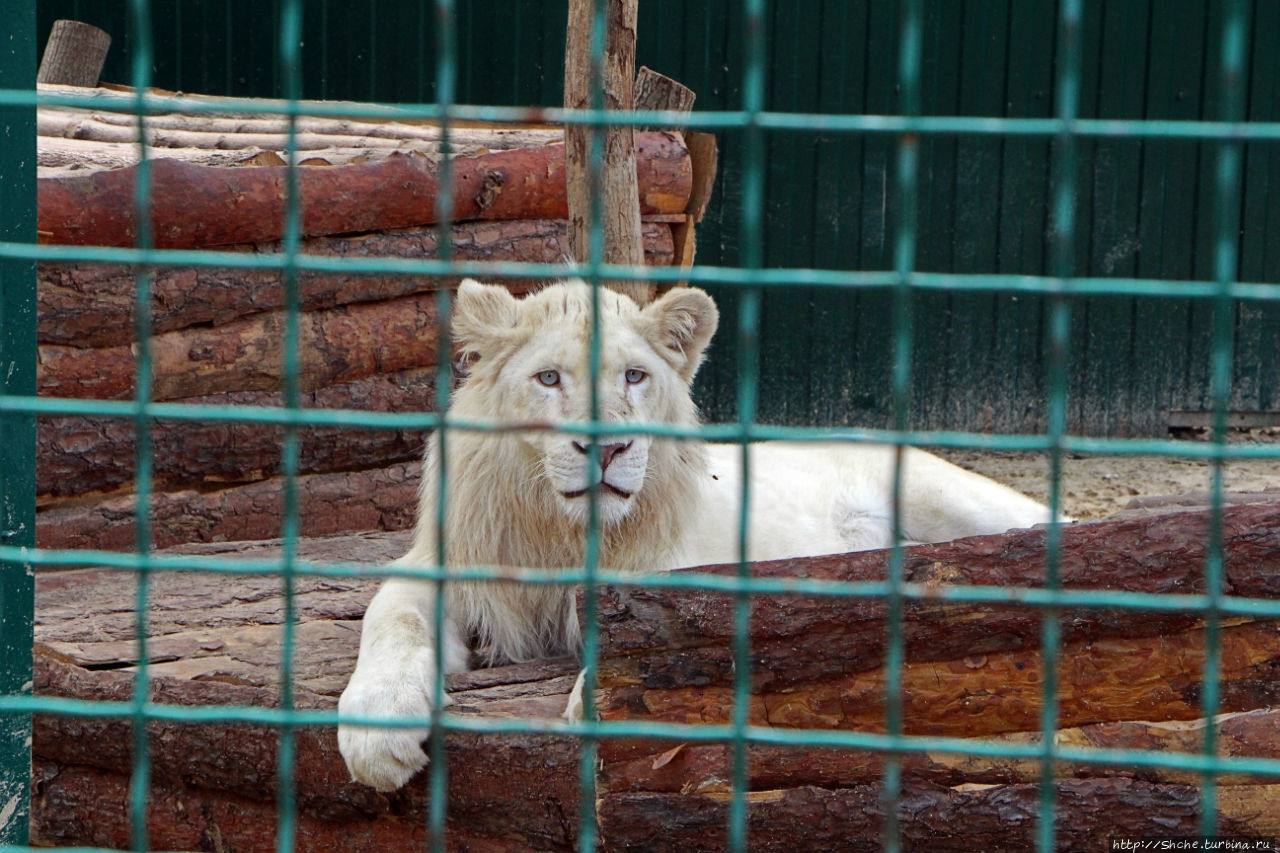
[(74, 54), (619, 195)]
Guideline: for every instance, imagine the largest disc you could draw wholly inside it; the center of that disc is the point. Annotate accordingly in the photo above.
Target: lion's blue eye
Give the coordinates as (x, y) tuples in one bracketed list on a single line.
[(549, 378), (635, 376)]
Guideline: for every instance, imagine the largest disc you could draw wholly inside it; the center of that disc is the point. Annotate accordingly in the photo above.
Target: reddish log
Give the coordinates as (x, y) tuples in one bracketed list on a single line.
[(1099, 681), (80, 455), (657, 766), (659, 638), (216, 641), (216, 782), (93, 305), (219, 781), (338, 345), (377, 499), (196, 205), (934, 818)]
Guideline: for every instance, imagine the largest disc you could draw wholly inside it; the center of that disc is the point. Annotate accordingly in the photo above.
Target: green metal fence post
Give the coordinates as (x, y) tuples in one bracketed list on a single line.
[(17, 429)]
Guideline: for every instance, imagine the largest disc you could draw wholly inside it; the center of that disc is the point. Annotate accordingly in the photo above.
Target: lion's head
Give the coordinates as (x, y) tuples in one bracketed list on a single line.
[(530, 363)]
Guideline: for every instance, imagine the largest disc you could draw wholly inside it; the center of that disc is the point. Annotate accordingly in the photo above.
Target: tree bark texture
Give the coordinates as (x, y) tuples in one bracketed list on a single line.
[(79, 455), (215, 641), (92, 305), (618, 189), (1000, 817), (340, 502), (171, 135), (218, 781), (1099, 681), (666, 638), (74, 54), (195, 206), (337, 345), (658, 767)]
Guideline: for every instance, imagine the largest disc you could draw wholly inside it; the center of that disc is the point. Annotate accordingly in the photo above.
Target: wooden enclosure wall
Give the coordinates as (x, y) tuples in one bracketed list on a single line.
[(1143, 206)]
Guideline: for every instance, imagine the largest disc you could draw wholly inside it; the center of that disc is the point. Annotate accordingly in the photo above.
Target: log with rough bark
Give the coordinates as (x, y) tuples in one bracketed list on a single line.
[(92, 305), (78, 455), (930, 817), (667, 636), (623, 147), (195, 206), (1100, 681), (340, 502), (216, 642), (114, 109), (180, 136), (337, 345), (658, 767)]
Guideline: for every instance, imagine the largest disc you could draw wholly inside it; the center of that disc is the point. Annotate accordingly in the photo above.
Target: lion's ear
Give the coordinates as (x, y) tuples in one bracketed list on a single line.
[(482, 314), (681, 325)]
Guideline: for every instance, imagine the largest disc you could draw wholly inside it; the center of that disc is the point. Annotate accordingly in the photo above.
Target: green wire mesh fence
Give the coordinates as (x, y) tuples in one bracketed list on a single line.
[(19, 407)]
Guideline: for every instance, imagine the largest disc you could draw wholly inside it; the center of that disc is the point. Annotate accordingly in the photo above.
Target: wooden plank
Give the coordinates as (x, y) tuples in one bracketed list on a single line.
[(834, 315), (1169, 179), (972, 362), (1099, 681), (1119, 401), (1021, 217)]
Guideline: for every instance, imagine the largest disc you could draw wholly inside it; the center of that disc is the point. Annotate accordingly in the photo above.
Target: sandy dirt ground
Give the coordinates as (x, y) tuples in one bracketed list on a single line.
[(1097, 486)]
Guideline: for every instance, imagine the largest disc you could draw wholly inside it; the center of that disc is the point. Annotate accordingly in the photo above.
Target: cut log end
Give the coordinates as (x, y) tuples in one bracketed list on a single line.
[(74, 54)]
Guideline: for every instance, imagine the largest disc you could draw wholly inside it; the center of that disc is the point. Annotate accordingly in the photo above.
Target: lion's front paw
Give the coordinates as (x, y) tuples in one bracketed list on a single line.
[(385, 758)]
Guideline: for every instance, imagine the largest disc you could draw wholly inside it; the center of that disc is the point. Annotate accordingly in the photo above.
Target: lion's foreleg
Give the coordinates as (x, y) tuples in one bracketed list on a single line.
[(394, 679)]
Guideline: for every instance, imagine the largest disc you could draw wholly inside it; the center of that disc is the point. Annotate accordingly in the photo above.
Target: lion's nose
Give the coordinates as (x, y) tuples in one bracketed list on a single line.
[(607, 451)]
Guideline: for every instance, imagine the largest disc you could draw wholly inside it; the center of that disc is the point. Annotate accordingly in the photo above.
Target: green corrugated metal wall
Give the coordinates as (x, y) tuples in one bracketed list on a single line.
[(983, 201)]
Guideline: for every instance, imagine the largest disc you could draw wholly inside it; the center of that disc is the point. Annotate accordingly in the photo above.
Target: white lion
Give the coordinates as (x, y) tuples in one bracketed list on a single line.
[(520, 499)]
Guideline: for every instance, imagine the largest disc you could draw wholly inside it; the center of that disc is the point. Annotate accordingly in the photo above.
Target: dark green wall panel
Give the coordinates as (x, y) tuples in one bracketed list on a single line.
[(1144, 208)]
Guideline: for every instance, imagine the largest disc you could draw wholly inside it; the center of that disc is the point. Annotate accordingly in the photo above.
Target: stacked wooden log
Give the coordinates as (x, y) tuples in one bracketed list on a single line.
[(1127, 680), (369, 342)]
